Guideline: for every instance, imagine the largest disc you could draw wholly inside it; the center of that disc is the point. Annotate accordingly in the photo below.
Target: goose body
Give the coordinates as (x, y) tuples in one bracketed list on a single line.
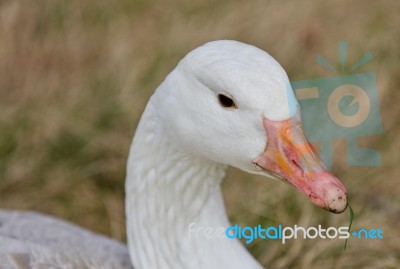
[(226, 103), (33, 240)]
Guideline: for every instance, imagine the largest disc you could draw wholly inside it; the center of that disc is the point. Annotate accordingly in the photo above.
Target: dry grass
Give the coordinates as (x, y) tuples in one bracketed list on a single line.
[(75, 76)]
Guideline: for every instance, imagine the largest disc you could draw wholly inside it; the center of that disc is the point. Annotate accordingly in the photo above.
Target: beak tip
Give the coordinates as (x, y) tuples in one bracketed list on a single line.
[(336, 201)]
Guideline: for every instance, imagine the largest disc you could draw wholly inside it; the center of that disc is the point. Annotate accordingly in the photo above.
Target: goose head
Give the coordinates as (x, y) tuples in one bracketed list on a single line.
[(232, 103)]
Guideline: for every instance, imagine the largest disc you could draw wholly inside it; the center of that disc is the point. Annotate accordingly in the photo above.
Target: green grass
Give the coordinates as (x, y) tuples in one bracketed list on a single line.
[(76, 76)]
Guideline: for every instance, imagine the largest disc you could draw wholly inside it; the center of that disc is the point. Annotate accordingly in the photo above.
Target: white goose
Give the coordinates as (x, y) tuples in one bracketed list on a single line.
[(226, 103)]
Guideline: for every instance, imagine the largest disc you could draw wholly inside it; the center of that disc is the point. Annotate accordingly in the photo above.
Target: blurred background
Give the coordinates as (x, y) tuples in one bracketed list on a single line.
[(75, 77)]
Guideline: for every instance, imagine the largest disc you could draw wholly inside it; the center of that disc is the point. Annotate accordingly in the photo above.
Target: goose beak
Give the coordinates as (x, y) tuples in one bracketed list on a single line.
[(290, 157)]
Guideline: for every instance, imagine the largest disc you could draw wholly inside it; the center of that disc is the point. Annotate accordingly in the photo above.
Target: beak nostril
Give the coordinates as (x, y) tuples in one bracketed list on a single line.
[(297, 165)]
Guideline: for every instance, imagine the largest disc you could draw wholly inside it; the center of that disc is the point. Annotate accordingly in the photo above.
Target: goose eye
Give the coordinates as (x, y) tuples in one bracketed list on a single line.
[(226, 101)]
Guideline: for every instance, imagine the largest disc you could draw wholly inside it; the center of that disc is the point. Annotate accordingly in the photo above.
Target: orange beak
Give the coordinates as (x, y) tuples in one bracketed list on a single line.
[(290, 157)]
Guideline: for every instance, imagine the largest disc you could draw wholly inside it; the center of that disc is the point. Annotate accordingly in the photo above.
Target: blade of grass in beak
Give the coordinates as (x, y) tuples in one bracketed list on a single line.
[(351, 212)]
